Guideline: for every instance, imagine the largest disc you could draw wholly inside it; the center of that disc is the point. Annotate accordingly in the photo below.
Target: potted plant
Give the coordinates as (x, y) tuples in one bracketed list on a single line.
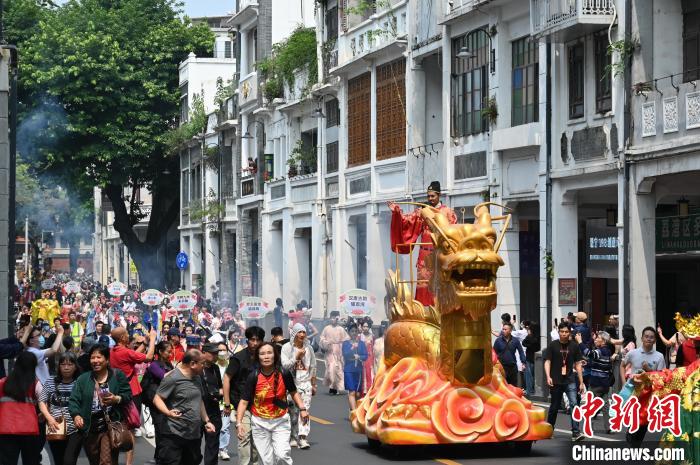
[(491, 110)]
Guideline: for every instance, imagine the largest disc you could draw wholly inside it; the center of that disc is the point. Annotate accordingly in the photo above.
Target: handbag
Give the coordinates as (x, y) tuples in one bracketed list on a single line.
[(58, 434), (120, 437), (18, 418)]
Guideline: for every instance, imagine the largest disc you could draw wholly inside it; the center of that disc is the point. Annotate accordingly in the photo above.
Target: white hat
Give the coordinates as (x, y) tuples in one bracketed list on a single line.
[(297, 328)]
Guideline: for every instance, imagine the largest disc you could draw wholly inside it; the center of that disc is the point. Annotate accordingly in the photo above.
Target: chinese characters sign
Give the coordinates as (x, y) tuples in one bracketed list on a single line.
[(253, 307), (183, 300), (116, 288), (601, 249), (661, 413), (152, 297), (357, 302), (677, 234)]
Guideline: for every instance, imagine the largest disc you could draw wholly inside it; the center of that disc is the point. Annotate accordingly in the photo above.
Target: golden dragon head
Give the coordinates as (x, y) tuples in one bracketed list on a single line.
[(465, 261)]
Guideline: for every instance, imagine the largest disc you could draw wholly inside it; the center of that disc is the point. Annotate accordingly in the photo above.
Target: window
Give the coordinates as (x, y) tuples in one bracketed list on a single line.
[(332, 24), (603, 74), (470, 85), (228, 52), (391, 120), (359, 112), (691, 41), (332, 157), (525, 81), (332, 113), (576, 82)]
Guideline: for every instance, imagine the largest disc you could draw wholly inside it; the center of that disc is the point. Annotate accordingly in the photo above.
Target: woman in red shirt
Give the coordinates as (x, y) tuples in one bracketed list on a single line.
[(265, 392)]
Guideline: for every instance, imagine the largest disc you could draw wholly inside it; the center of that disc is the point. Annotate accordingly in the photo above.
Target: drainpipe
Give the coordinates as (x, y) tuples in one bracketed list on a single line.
[(548, 138), (627, 130)]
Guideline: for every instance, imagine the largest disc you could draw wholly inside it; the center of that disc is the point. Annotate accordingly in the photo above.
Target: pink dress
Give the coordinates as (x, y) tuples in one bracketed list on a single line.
[(332, 339), (368, 365)]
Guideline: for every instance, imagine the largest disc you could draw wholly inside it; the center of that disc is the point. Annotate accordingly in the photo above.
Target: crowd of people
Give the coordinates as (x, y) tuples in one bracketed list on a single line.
[(579, 359), (95, 370)]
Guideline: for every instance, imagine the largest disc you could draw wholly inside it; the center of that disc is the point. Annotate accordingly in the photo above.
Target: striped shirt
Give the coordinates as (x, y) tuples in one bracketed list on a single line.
[(56, 398)]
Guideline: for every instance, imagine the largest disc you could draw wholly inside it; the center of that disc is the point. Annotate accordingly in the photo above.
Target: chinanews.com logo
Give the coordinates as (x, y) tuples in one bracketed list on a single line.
[(604, 453)]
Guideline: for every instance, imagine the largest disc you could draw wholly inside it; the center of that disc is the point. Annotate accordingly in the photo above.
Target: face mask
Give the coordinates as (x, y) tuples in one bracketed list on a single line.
[(42, 341), (223, 354)]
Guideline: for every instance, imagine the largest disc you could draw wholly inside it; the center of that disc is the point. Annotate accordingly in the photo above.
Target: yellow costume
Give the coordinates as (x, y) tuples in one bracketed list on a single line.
[(46, 309)]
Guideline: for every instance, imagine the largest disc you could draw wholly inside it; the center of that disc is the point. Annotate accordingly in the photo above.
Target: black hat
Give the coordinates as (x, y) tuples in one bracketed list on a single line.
[(335, 313), (434, 186), (210, 348)]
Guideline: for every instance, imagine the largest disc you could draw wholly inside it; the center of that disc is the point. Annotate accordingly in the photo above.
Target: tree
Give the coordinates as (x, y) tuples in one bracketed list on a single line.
[(110, 69)]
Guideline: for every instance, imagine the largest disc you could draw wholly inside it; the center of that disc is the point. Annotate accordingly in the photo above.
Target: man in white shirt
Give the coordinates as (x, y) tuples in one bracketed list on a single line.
[(42, 355)]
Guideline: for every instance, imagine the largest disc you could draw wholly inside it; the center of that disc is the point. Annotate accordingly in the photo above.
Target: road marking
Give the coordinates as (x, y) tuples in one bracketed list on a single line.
[(151, 441), (599, 438), (541, 404), (320, 420), (447, 462), (320, 360)]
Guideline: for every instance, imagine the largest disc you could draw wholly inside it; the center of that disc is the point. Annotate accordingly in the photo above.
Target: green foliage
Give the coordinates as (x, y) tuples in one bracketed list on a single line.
[(549, 264), (195, 126), (624, 48), (112, 67), (491, 110), (272, 88), (303, 158), (294, 53), (209, 211), (224, 91)]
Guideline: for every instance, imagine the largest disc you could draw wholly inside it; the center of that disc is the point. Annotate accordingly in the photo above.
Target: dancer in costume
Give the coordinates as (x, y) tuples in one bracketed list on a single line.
[(410, 228), (45, 308), (354, 355), (332, 339)]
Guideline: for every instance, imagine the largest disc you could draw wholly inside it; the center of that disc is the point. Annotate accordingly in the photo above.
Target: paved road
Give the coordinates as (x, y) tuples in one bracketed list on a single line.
[(333, 442)]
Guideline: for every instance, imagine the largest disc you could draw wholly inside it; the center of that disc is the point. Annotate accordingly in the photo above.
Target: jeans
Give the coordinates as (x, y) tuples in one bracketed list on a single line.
[(557, 391), (530, 378), (225, 436), (271, 439), (602, 392)]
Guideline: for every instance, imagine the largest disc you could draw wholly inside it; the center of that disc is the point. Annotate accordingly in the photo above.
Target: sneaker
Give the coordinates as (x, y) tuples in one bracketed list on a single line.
[(150, 434), (138, 433), (577, 436), (293, 443), (303, 443), (223, 455), (333, 392)]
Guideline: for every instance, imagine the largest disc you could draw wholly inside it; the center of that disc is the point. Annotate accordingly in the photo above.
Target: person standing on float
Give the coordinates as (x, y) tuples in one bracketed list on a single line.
[(410, 228)]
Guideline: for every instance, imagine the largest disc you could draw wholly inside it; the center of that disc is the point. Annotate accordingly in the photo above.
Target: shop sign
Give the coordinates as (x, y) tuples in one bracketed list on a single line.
[(567, 291), (676, 234), (357, 302), (72, 287), (601, 249), (253, 307)]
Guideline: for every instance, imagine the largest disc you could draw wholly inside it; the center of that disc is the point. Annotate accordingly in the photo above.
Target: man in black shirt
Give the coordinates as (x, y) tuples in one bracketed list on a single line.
[(239, 367), (213, 393), (561, 359)]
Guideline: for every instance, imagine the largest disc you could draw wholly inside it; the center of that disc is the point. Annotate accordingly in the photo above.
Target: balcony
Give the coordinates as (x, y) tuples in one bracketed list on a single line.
[(247, 10), (566, 19), (374, 35), (295, 92), (248, 90), (247, 185), (276, 194), (454, 9), (304, 190)]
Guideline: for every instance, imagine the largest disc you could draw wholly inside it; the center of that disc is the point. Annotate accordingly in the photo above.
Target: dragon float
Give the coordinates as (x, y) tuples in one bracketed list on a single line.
[(438, 382)]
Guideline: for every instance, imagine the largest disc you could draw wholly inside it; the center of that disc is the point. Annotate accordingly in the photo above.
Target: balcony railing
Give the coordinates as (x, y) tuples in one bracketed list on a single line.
[(383, 29), (549, 16), (247, 186)]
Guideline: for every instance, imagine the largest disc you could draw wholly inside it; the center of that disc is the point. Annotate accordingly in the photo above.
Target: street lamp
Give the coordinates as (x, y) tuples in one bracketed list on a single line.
[(318, 113), (465, 52), (247, 134)]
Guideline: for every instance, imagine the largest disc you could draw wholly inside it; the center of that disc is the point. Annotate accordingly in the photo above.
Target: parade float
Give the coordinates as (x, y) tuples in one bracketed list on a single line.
[(437, 382)]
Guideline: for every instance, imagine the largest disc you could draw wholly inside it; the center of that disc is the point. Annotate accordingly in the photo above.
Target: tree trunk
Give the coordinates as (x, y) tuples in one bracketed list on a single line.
[(148, 255)]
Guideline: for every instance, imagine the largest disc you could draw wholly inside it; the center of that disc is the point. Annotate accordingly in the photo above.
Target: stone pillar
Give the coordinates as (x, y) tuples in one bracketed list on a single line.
[(564, 244), (642, 254)]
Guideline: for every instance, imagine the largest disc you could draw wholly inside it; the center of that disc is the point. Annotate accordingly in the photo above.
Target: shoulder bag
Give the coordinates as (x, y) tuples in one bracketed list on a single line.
[(60, 433), (119, 436), (18, 418)]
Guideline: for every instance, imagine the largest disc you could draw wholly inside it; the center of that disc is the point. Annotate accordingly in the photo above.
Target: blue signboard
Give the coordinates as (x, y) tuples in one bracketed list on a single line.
[(181, 260)]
